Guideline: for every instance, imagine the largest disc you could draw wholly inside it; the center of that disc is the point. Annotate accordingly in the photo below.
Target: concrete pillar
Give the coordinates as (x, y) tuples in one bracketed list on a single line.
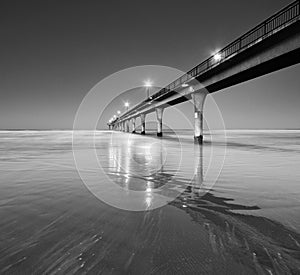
[(127, 126), (159, 114), (108, 127), (133, 125), (197, 183), (123, 125), (143, 119), (198, 101)]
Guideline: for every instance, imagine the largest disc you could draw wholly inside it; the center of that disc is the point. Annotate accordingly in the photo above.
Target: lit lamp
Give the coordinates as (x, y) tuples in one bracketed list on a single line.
[(148, 85), (126, 105), (217, 57)]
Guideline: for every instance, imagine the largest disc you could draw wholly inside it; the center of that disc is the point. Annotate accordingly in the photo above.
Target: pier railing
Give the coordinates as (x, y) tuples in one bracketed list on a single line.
[(273, 24), (268, 27)]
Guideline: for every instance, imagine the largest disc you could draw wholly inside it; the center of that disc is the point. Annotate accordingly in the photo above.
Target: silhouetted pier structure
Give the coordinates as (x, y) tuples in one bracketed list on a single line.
[(270, 46)]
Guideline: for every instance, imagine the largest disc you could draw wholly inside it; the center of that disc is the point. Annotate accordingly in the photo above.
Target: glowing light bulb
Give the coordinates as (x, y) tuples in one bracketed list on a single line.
[(217, 57), (148, 83)]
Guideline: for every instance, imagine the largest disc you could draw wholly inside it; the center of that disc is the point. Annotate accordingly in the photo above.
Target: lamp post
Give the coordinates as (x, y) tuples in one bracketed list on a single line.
[(148, 85), (126, 105), (109, 124)]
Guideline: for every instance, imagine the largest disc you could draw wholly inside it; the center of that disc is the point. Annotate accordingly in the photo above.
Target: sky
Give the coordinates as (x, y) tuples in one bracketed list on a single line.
[(54, 52)]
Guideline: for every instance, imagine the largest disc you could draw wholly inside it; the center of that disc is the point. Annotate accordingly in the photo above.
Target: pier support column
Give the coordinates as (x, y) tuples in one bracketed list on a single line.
[(197, 183), (159, 114), (127, 126), (133, 125), (198, 101), (143, 119)]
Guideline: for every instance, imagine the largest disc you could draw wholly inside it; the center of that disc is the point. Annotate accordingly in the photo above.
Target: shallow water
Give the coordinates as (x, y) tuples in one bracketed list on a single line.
[(248, 222)]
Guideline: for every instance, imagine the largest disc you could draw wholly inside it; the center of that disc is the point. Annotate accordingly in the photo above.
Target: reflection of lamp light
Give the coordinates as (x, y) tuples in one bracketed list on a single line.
[(148, 201), (184, 85), (148, 155), (148, 195), (149, 188)]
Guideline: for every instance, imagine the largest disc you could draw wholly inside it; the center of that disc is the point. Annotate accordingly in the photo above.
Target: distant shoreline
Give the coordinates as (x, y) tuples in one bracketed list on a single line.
[(149, 130)]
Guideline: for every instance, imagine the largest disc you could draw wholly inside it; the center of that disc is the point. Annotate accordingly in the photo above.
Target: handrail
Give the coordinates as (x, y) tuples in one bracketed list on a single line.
[(271, 25)]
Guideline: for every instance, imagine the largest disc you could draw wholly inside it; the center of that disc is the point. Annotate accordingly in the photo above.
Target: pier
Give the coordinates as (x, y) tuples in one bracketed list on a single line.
[(272, 45)]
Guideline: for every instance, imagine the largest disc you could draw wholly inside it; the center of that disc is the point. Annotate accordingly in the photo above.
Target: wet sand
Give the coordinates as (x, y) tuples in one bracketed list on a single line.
[(51, 224)]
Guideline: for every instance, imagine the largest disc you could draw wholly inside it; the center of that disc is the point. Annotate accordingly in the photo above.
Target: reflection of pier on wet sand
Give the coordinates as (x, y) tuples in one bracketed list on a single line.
[(145, 164), (257, 243), (51, 224)]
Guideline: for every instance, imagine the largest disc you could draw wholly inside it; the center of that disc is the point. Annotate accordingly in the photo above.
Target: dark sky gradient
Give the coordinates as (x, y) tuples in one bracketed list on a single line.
[(54, 52)]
